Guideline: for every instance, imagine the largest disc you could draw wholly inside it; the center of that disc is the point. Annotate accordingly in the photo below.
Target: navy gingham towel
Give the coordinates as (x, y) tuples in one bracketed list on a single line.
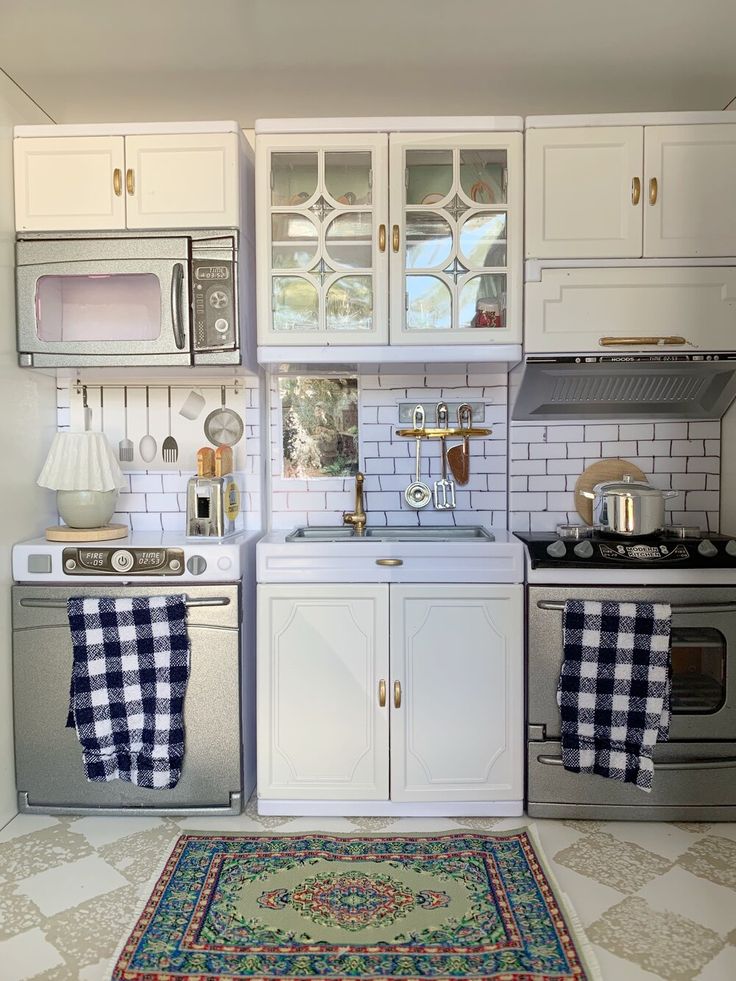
[(614, 688), (129, 677)]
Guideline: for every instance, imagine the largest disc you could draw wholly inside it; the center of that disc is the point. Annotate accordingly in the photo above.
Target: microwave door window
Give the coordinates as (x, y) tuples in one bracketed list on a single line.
[(104, 309)]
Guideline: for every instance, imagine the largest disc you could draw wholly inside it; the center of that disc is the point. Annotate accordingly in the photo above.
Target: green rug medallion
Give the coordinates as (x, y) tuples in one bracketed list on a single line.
[(331, 907)]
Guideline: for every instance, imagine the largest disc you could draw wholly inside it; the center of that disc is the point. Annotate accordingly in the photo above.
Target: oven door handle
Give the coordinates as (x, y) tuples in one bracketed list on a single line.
[(42, 604), (676, 607), (701, 763)]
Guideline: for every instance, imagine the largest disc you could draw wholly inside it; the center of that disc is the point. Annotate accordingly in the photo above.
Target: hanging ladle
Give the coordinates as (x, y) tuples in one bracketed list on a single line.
[(418, 495)]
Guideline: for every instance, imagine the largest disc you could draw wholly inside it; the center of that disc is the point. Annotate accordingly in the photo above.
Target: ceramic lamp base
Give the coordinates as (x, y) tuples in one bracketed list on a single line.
[(86, 508)]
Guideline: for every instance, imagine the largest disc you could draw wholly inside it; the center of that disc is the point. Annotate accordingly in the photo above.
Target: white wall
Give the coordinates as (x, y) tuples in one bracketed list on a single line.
[(28, 419)]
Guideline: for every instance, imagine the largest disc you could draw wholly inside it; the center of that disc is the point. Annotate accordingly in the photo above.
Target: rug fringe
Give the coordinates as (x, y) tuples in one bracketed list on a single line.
[(149, 887), (590, 961)]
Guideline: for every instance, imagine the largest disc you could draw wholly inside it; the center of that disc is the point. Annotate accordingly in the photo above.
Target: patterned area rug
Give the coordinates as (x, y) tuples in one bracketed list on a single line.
[(445, 906)]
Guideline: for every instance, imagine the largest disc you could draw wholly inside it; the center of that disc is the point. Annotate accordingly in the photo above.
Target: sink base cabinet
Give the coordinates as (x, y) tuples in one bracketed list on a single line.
[(428, 722)]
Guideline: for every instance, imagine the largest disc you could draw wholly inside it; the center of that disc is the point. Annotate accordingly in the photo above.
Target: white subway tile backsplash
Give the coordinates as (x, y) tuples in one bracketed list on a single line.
[(704, 430), (672, 464), (657, 447), (528, 434), (549, 482), (600, 432), (636, 431), (574, 465), (531, 466), (670, 430), (162, 502), (702, 500), (566, 434), (174, 521), (146, 483), (529, 502), (564, 501), (584, 449), (618, 448), (688, 481), (131, 502), (380, 465), (312, 501), (704, 464), (175, 482), (145, 522), (688, 447), (546, 450)]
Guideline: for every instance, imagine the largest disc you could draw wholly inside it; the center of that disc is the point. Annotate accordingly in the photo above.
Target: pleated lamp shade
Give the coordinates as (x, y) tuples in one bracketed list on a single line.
[(81, 462)]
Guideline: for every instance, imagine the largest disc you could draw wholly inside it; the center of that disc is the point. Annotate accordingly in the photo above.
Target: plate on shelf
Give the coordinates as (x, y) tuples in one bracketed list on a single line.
[(433, 198), (299, 198)]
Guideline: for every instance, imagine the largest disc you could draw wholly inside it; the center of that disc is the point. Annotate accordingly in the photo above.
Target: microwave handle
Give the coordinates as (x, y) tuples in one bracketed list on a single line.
[(177, 302)]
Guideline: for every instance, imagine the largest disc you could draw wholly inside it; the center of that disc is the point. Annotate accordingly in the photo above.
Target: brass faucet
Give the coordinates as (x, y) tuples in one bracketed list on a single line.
[(357, 517)]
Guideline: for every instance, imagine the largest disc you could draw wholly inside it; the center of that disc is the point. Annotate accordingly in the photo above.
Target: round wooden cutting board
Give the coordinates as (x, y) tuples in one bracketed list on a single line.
[(596, 473), (63, 533)]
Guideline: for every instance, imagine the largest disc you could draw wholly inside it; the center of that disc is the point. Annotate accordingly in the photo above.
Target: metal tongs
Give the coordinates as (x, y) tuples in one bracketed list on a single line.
[(444, 489)]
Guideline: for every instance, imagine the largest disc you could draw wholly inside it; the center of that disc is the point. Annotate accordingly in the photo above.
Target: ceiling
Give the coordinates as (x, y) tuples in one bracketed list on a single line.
[(93, 61)]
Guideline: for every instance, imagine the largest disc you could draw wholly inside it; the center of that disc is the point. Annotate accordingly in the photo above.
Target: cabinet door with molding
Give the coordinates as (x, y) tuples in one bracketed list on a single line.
[(456, 238), (321, 226), (457, 663), (322, 673), (584, 194), (690, 174), (182, 180), (69, 183)]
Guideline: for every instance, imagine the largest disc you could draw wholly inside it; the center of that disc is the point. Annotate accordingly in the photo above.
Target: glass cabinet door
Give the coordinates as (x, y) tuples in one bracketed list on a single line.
[(325, 229), (456, 238)]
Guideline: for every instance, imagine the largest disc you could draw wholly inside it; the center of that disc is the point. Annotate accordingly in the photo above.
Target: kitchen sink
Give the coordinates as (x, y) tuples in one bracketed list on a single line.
[(428, 533)]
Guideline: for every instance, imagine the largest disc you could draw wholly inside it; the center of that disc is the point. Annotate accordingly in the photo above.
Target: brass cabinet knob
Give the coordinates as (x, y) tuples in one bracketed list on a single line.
[(117, 181), (381, 238), (635, 190), (382, 692), (130, 180), (395, 238), (397, 694), (653, 190)]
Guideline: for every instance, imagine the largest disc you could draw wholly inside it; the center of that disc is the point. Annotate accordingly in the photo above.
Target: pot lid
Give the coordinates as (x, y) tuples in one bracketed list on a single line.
[(627, 486)]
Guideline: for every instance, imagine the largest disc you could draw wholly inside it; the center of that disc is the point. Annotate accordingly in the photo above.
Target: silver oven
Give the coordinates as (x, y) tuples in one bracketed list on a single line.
[(695, 771), (127, 299), (48, 764)]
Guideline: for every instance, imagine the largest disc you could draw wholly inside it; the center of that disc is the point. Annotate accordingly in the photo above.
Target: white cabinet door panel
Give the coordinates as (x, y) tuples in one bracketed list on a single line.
[(457, 652), (69, 183), (694, 213), (580, 192), (575, 310), (322, 652), (183, 181)]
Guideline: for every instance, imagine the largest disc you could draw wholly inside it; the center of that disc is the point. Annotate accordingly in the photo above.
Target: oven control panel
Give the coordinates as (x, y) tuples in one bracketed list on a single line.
[(123, 561)]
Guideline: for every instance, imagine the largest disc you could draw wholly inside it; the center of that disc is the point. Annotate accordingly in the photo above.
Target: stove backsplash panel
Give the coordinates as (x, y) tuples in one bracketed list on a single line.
[(546, 461)]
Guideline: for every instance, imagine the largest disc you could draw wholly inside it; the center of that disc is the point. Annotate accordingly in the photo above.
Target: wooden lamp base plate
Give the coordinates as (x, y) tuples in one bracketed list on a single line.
[(63, 533)]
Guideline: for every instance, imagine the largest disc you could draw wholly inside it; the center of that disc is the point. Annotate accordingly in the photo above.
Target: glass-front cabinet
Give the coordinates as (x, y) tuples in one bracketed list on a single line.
[(401, 238), (456, 249), (322, 240)]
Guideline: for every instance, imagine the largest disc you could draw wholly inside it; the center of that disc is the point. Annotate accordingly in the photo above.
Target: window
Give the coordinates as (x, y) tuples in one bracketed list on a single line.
[(319, 423)]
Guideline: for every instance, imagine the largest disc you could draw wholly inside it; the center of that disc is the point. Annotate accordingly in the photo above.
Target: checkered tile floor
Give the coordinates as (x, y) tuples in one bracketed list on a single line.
[(658, 901)]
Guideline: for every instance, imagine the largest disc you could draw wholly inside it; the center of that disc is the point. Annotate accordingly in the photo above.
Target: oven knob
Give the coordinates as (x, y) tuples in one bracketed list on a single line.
[(218, 299), (175, 565), (70, 564), (196, 565), (224, 563), (707, 549), (731, 547), (583, 550), (221, 325), (122, 561), (557, 550)]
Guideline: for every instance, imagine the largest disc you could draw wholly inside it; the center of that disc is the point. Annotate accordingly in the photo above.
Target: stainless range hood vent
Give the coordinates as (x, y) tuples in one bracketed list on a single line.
[(681, 386)]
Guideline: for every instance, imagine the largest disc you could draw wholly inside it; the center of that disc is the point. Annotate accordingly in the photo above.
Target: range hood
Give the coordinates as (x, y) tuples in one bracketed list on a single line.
[(632, 387)]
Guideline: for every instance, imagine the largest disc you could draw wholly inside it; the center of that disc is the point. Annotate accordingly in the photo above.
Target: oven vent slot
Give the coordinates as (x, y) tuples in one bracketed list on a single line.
[(620, 388)]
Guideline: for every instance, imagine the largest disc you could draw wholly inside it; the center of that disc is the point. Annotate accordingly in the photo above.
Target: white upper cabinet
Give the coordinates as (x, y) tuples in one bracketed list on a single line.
[(631, 191), (583, 192), (690, 205), (87, 183), (456, 250), (321, 227), (69, 183), (377, 238)]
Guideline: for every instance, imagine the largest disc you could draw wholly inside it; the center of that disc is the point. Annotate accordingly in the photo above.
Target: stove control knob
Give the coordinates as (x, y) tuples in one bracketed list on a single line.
[(707, 549), (122, 561), (70, 564), (175, 565), (557, 550), (196, 565), (583, 549), (731, 547)]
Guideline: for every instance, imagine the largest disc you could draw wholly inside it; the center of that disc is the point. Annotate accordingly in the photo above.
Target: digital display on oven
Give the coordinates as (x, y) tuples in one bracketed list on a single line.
[(149, 560), (211, 274), (93, 558)]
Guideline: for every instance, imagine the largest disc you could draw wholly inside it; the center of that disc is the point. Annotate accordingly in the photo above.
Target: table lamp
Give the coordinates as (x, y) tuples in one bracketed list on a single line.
[(82, 470)]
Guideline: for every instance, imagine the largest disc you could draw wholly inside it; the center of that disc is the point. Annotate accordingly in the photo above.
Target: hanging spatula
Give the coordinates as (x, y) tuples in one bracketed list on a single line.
[(125, 446), (458, 457)]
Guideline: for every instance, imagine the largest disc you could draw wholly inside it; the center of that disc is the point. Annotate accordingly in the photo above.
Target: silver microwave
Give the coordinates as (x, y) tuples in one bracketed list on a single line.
[(168, 298)]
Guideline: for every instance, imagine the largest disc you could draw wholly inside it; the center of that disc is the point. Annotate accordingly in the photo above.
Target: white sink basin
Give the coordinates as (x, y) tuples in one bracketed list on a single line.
[(428, 533)]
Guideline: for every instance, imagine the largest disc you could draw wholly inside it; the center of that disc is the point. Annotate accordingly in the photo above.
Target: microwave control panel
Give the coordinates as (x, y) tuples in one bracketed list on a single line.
[(131, 561), (213, 304)]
